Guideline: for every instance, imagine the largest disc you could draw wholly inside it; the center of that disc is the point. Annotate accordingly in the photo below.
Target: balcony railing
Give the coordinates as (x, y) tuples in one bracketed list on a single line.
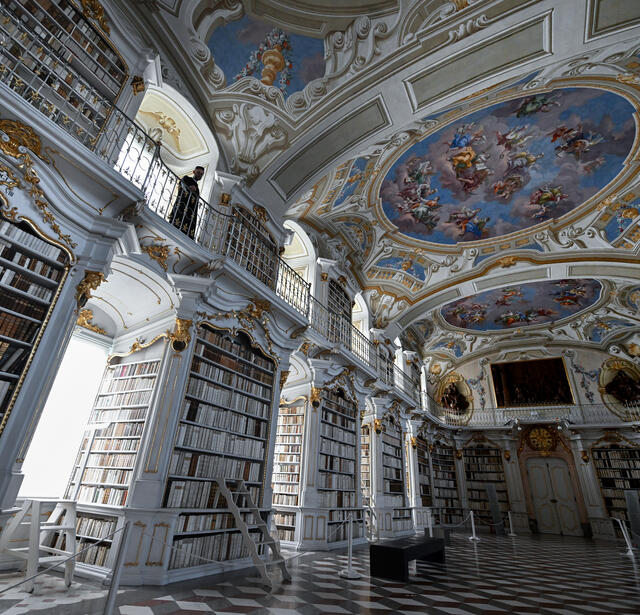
[(576, 414), (43, 75)]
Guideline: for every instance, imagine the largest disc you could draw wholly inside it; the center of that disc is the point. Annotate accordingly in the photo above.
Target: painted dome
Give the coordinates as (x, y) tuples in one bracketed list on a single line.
[(521, 305), (509, 166)]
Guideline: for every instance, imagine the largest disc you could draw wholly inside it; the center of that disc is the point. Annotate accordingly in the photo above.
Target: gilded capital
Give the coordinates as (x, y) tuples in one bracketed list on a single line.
[(91, 281)]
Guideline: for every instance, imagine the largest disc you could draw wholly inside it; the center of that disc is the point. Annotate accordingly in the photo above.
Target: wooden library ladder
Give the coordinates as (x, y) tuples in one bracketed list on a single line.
[(42, 535), (239, 500)]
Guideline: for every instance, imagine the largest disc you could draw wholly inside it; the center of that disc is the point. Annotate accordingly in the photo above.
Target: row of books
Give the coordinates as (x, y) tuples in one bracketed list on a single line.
[(10, 277), (341, 532), (284, 518), (445, 484), (210, 393), (96, 556), (614, 493), (291, 411), (391, 462), (618, 463), (11, 231), (192, 494), (115, 400), (283, 478), (340, 402), (126, 370), (113, 496), (342, 515), (286, 534), (485, 477), (281, 499), (209, 357), (338, 419), (287, 449), (287, 457), (200, 465), (616, 453), (22, 305), (219, 442), (118, 414), (209, 522), (287, 467), (337, 464), (12, 357), (217, 375), (335, 433), (483, 467), (618, 473), (121, 460), (118, 477), (236, 347), (202, 550), (97, 528), (391, 473), (330, 447), (328, 480), (18, 328), (221, 418), (31, 263), (288, 419), (290, 429), (120, 385), (286, 487), (6, 389), (116, 444), (337, 499), (481, 494), (613, 502), (121, 430)]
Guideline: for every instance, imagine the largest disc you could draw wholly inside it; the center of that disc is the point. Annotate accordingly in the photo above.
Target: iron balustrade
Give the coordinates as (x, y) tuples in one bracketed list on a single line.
[(36, 66)]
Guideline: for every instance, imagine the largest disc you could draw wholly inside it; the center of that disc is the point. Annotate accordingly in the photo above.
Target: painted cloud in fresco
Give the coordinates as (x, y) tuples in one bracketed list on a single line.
[(509, 166), (521, 305)]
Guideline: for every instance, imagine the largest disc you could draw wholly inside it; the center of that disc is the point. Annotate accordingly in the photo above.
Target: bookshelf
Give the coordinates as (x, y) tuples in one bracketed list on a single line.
[(483, 465), (337, 460), (223, 433), (286, 466), (445, 484), (90, 530), (393, 475), (424, 472), (618, 469), (32, 271), (365, 465)]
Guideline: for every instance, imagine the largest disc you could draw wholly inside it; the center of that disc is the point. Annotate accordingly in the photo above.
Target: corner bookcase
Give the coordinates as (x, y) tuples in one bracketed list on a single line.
[(32, 272), (365, 465), (287, 466), (445, 484), (483, 465), (618, 469), (393, 474), (424, 472), (337, 473), (223, 434)]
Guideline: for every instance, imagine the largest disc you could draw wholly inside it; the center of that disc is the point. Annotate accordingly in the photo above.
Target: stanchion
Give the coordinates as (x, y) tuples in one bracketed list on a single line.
[(350, 573), (473, 528), (511, 532), (430, 522), (627, 538)]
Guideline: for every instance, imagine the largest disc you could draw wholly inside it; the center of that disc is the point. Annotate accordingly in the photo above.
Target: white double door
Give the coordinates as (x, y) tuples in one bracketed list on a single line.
[(553, 496)]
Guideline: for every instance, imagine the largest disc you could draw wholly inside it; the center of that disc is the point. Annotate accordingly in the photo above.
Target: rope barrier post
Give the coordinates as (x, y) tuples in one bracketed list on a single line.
[(350, 573), (627, 538), (473, 528), (511, 533), (430, 522), (117, 569)]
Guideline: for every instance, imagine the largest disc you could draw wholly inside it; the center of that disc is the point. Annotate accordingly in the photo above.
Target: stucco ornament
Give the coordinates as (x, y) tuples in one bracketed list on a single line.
[(251, 132)]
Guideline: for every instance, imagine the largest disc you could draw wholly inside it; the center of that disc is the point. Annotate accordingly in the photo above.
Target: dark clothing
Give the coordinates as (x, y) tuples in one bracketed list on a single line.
[(184, 212)]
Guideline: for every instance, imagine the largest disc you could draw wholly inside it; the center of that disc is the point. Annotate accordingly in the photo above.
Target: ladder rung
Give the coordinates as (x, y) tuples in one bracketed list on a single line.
[(54, 550), (57, 528)]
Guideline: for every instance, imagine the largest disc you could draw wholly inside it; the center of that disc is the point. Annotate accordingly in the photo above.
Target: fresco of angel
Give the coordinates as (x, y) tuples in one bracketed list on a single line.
[(537, 103)]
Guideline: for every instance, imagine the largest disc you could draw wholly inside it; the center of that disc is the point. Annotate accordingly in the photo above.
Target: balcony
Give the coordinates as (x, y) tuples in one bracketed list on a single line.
[(59, 63), (574, 414)]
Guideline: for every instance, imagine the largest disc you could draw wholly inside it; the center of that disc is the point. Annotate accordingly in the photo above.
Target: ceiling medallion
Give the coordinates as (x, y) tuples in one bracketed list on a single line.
[(508, 167)]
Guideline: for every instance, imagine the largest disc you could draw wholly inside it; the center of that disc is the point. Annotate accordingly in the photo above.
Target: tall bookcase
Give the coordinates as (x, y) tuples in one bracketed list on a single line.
[(618, 469), (365, 465), (32, 271), (393, 474), (424, 472), (287, 467), (105, 465), (483, 465), (337, 473), (445, 484), (223, 433)]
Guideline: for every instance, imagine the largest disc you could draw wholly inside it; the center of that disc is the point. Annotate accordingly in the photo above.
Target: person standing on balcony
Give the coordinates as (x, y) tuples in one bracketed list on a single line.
[(184, 212)]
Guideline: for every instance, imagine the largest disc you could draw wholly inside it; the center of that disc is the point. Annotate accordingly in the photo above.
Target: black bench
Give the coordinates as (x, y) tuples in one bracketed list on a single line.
[(439, 532), (390, 559)]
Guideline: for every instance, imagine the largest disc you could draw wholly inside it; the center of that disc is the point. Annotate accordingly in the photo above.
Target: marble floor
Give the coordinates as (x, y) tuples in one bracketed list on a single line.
[(545, 575)]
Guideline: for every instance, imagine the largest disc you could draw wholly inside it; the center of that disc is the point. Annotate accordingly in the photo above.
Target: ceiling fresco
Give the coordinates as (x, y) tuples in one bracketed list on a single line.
[(509, 166), (521, 305), (238, 49)]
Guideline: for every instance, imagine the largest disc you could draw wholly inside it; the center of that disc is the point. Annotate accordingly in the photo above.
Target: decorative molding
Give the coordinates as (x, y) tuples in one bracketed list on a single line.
[(137, 346), (181, 335), (84, 320), (137, 85), (93, 10), (284, 374), (91, 281), (157, 252)]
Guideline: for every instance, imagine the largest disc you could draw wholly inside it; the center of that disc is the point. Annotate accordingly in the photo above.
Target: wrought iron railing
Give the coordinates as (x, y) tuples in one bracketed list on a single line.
[(576, 414), (43, 76)]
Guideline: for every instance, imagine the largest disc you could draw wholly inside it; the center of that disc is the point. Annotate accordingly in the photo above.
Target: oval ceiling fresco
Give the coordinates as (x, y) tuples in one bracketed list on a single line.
[(509, 166), (521, 305)]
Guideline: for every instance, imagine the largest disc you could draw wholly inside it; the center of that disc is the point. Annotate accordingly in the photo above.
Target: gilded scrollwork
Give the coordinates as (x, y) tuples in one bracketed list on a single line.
[(84, 320), (95, 11), (91, 281), (157, 252), (181, 335)]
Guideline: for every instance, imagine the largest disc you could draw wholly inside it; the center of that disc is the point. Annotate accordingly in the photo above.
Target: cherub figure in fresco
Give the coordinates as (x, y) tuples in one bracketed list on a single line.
[(474, 313), (468, 222), (516, 137), (522, 161), (505, 188), (624, 216), (424, 213), (546, 198), (569, 295), (511, 317), (574, 140), (593, 165), (470, 168), (464, 137), (537, 103), (545, 312), (508, 294)]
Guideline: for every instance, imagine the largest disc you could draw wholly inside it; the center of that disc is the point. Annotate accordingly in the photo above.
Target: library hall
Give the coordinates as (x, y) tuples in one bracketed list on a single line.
[(319, 307)]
